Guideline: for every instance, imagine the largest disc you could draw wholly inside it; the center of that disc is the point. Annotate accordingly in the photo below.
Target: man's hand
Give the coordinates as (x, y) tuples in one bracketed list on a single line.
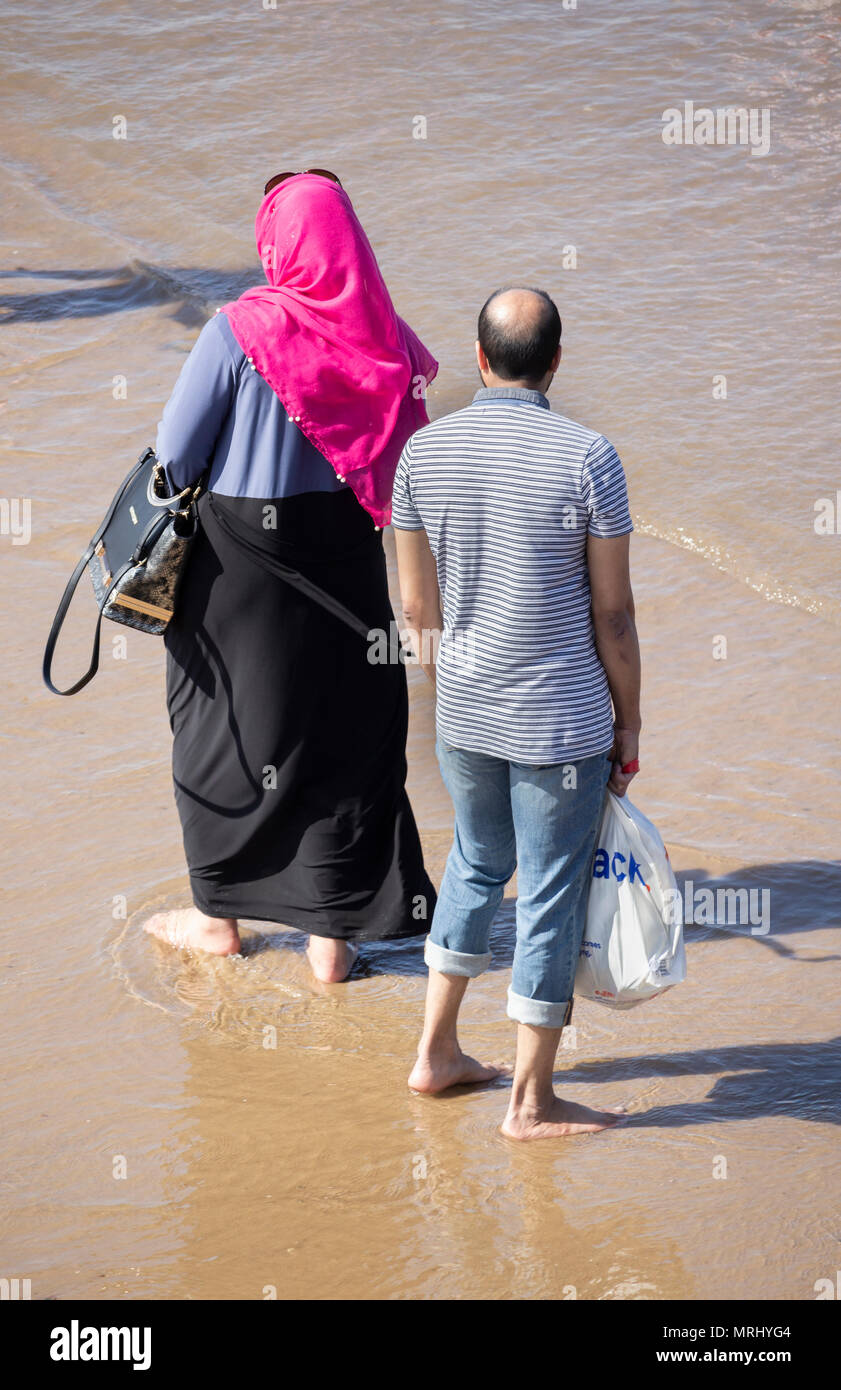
[(626, 747)]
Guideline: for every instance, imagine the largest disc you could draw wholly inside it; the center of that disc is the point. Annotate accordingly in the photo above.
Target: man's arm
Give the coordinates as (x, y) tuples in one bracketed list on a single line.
[(419, 595), (612, 608)]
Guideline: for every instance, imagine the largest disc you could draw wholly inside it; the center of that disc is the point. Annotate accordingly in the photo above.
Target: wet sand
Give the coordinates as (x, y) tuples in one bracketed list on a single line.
[(268, 1136)]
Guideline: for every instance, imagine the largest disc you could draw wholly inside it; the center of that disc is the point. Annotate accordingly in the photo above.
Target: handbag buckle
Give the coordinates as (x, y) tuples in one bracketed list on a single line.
[(99, 552)]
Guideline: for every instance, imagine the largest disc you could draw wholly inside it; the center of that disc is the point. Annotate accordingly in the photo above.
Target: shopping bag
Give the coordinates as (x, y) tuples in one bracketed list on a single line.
[(632, 949)]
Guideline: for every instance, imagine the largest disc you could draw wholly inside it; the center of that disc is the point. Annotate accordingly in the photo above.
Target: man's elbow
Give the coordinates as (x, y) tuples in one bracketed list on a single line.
[(613, 621), (415, 610)]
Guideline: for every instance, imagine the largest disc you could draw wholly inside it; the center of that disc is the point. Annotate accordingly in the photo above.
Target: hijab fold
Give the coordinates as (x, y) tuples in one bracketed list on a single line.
[(324, 334)]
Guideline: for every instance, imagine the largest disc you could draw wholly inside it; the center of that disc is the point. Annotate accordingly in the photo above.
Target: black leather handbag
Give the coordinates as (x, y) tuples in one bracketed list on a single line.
[(136, 559)]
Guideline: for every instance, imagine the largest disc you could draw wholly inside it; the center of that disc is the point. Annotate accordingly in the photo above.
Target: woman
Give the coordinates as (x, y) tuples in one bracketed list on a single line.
[(289, 744)]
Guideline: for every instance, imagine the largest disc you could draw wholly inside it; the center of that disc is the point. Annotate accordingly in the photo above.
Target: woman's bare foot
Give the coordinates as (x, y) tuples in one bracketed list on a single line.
[(190, 928), (558, 1120), (331, 961), (434, 1072)]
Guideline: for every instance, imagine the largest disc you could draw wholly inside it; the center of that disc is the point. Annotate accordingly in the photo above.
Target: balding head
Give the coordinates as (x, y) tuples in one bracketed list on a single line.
[(519, 334)]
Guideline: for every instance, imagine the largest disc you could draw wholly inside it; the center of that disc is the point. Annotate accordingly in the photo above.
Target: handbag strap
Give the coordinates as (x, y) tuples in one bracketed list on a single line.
[(240, 534), (70, 589), (58, 623), (286, 572)]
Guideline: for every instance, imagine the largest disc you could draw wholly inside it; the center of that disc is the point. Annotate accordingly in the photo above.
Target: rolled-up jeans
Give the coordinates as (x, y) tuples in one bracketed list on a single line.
[(544, 822)]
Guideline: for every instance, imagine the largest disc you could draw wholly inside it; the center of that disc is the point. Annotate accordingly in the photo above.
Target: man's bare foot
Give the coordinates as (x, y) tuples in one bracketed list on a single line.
[(436, 1072), (190, 928), (331, 961), (558, 1120)]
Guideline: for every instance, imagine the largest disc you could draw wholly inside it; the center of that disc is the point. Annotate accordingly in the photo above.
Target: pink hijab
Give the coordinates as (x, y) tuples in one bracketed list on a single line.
[(324, 334)]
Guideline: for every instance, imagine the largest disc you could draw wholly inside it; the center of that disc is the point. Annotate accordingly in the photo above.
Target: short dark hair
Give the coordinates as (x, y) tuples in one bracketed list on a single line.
[(520, 354)]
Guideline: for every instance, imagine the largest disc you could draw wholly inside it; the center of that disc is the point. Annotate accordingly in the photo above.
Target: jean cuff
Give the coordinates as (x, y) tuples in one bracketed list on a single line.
[(455, 962), (537, 1012)]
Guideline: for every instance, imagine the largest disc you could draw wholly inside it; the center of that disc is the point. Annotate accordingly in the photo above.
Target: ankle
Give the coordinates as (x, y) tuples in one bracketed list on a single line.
[(530, 1102), (219, 924), (438, 1048)]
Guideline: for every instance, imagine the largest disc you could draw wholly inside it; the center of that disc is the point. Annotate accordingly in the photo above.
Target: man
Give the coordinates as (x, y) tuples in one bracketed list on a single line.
[(512, 530)]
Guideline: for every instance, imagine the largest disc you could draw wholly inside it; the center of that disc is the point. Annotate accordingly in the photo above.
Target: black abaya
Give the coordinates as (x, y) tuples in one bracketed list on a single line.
[(289, 745)]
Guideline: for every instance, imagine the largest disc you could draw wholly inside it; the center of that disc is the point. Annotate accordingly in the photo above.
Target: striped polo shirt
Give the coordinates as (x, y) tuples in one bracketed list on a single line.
[(507, 492)]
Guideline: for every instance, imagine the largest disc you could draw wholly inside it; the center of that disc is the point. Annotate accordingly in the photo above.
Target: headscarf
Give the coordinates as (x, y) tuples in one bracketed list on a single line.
[(325, 335)]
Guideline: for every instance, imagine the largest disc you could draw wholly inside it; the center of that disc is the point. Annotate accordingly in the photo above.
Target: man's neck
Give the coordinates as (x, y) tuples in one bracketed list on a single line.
[(496, 382)]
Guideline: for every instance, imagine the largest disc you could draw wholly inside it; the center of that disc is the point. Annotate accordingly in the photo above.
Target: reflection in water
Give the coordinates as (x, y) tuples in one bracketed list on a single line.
[(316, 1173), (340, 1189)]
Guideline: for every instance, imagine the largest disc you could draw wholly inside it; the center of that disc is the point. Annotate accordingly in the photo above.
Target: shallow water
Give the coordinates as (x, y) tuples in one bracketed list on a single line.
[(296, 1160)]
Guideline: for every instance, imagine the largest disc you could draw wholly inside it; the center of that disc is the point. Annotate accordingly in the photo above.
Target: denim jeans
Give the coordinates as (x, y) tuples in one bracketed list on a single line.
[(543, 821)]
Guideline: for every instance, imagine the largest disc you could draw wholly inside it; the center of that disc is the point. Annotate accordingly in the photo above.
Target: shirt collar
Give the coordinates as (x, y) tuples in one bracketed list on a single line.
[(511, 393)]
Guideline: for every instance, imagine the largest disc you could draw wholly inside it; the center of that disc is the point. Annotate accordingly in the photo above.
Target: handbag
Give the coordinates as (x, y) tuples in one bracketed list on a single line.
[(136, 559), (138, 555)]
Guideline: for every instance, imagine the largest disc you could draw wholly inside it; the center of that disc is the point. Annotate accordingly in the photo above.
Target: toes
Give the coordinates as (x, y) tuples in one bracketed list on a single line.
[(159, 926), (497, 1071)]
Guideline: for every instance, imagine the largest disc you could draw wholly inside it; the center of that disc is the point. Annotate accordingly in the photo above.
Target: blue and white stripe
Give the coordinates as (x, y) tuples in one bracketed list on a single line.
[(508, 491)]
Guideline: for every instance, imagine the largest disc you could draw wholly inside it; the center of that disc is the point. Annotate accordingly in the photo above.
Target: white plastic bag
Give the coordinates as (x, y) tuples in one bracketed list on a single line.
[(633, 942)]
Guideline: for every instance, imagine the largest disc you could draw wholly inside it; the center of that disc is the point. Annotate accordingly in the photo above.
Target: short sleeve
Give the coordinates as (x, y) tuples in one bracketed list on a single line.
[(604, 491), (195, 412), (404, 514)]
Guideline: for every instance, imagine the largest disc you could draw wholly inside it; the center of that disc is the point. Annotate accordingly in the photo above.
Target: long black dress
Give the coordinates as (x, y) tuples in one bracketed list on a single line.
[(289, 744)]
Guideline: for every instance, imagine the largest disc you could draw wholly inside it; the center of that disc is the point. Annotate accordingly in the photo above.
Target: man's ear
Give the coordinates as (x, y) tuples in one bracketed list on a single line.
[(556, 360), (481, 358)]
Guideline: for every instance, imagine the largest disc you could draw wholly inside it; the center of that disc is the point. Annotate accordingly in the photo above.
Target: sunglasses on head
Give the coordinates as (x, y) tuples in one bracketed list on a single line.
[(281, 178)]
